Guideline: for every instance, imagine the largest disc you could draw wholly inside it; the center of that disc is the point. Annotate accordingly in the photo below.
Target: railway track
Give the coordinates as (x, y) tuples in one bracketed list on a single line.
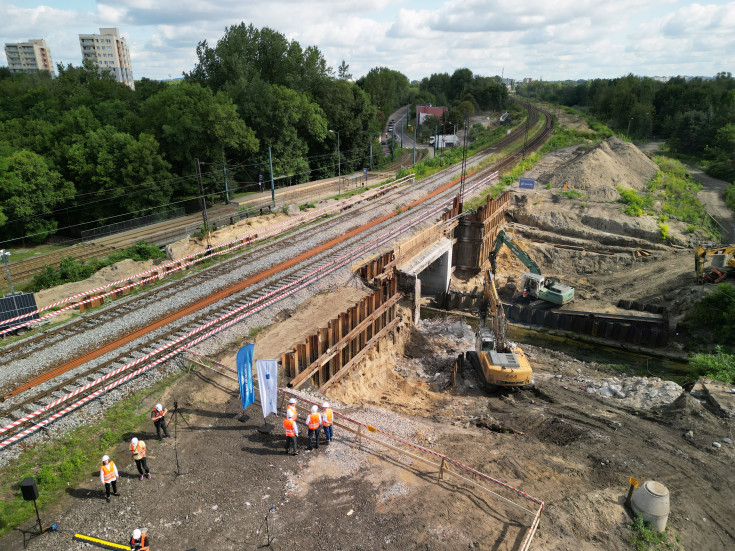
[(220, 310)]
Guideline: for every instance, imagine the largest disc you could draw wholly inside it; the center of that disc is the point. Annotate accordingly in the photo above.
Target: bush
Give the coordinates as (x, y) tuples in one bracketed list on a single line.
[(716, 311), (719, 366), (635, 202), (70, 269), (572, 194), (645, 538), (730, 196)]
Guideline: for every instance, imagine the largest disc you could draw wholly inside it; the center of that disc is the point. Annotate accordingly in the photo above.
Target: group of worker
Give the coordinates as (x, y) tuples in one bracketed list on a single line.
[(314, 422), (109, 473)]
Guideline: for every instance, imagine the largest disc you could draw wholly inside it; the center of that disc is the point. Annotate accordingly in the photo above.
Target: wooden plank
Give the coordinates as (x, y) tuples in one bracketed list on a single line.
[(344, 342), (357, 357)]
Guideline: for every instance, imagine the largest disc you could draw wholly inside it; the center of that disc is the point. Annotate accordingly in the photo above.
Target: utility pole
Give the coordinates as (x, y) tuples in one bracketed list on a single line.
[(414, 144), (273, 187), (393, 144), (202, 198), (224, 171), (371, 155)]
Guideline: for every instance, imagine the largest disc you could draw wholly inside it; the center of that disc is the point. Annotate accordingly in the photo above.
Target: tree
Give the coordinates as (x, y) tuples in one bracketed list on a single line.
[(28, 195), (387, 88), (115, 173), (459, 82), (191, 121), (343, 71)]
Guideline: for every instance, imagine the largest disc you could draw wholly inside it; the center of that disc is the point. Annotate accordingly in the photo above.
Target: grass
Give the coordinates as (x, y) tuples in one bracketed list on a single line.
[(715, 315), (572, 194), (730, 196), (70, 269), (26, 253), (67, 461), (719, 366), (645, 538)]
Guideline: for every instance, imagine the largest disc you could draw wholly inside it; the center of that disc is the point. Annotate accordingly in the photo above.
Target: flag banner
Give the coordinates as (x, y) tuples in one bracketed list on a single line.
[(268, 385), (245, 374)]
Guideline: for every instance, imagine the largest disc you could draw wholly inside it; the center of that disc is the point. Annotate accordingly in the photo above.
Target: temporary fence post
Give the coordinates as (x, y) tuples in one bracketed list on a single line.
[(359, 434), (441, 470)]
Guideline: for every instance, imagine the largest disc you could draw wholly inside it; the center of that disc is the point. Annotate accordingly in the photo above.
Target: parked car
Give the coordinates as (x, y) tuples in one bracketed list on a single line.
[(383, 142)]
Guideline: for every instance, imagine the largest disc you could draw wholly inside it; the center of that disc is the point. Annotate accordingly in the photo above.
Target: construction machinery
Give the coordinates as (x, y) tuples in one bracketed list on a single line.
[(723, 256), (498, 363), (533, 283)]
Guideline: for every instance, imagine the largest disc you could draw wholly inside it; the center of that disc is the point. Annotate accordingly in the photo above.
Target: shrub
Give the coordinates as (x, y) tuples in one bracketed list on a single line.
[(572, 194), (691, 228), (664, 230), (730, 196), (719, 366), (635, 202), (716, 311), (645, 538)]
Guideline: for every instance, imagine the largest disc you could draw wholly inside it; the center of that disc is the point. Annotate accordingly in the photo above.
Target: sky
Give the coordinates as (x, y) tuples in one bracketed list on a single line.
[(558, 40)]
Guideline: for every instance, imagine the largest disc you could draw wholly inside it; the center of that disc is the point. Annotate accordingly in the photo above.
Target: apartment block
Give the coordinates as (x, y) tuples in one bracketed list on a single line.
[(109, 51), (29, 57)]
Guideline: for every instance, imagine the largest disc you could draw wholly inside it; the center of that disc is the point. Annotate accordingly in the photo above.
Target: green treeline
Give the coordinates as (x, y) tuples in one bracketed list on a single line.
[(696, 117), (82, 150)]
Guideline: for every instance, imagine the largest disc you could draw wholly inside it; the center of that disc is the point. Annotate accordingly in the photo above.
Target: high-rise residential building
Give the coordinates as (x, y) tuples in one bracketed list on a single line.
[(109, 51), (29, 57)]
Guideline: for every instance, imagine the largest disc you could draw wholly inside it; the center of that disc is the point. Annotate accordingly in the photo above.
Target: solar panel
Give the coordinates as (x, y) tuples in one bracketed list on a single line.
[(14, 305)]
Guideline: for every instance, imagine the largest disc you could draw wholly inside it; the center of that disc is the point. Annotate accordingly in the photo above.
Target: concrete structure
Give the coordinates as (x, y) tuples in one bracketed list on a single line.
[(29, 57), (108, 51), (433, 267)]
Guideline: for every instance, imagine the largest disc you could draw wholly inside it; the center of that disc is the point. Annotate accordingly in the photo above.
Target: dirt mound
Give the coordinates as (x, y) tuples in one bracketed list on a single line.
[(603, 168)]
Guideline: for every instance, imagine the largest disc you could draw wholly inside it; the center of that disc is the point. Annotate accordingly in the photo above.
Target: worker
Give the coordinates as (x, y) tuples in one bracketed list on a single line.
[(140, 541), (137, 448), (292, 408), (157, 415), (327, 421), (108, 476), (292, 431), (314, 422)]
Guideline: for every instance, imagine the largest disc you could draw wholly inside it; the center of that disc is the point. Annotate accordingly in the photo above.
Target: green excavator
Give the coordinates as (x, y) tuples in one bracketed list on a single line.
[(533, 283)]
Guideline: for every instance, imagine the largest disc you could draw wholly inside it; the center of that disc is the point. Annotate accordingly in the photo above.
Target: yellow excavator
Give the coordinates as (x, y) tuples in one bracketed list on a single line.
[(724, 256), (497, 363)]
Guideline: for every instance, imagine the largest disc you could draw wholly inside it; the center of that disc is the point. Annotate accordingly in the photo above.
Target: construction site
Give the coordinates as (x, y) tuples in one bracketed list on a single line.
[(500, 377)]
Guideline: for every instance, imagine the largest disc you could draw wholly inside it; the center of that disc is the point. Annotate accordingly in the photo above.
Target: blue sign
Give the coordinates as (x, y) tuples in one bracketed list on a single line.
[(244, 363), (526, 183), (364, 170)]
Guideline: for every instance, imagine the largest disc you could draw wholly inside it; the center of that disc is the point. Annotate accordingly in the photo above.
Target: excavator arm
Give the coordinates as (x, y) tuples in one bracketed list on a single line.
[(522, 255), (491, 300)]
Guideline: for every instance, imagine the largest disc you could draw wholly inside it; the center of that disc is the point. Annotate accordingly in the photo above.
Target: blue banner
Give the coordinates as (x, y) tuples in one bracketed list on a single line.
[(245, 374)]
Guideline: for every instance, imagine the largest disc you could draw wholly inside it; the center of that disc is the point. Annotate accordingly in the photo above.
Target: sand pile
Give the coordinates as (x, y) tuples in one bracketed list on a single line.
[(602, 169)]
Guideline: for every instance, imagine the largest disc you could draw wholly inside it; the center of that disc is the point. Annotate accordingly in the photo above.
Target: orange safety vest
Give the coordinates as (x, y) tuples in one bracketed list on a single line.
[(157, 414), (288, 426), (108, 472), (293, 411), (327, 418), (138, 450), (142, 542), (313, 421)]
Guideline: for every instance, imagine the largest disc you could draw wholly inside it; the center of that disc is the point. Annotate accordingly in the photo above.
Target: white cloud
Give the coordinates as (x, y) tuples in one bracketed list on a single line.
[(567, 39)]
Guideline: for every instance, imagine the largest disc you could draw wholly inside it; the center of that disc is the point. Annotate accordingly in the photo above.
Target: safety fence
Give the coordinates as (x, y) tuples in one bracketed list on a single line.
[(124, 285), (131, 224), (443, 464), (328, 355)]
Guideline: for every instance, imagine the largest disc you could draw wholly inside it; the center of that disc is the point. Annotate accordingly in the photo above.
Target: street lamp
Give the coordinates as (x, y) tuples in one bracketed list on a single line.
[(339, 164), (628, 132), (5, 255)]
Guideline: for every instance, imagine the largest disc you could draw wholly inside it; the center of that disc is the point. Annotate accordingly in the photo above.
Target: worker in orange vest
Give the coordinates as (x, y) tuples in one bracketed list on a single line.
[(291, 429), (292, 409), (140, 541), (108, 476), (314, 422), (327, 421), (157, 416), (137, 448)]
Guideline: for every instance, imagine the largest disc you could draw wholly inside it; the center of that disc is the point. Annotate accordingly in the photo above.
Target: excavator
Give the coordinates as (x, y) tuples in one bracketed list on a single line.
[(498, 364), (549, 289), (724, 256)]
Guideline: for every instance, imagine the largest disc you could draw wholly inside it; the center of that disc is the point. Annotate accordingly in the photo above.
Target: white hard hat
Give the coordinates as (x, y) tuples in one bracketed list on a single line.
[(159, 407), (134, 441), (136, 534), (105, 458), (314, 409), (289, 415), (325, 405), (292, 401)]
